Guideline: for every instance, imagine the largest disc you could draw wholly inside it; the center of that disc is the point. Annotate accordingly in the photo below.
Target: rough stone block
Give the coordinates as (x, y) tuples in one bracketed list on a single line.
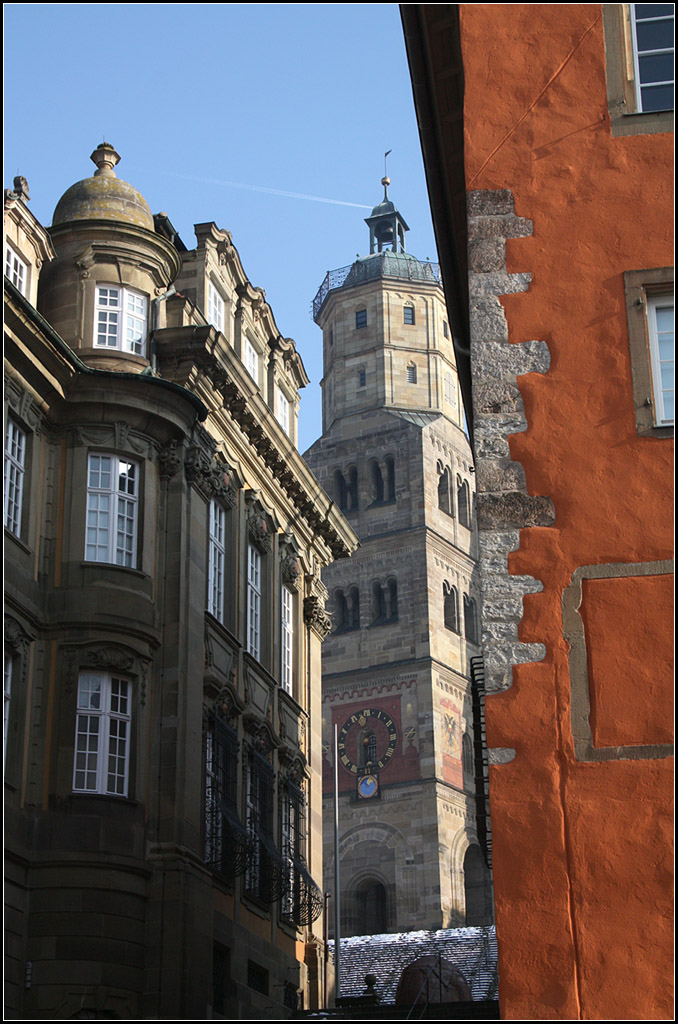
[(486, 255), (491, 359), (496, 397), (500, 475), (514, 509), (497, 283), (490, 202)]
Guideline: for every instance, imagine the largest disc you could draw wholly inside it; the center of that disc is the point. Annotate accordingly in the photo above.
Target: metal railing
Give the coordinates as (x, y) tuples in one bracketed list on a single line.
[(383, 264)]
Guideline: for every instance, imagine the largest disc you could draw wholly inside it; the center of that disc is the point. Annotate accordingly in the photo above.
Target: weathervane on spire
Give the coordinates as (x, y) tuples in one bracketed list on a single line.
[(386, 181)]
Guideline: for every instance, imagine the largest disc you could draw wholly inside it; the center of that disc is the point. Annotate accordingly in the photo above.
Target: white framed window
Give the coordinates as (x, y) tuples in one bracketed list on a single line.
[(215, 307), (16, 270), (112, 510), (216, 561), (251, 360), (253, 601), (282, 410), (652, 28), (8, 700), (121, 319), (660, 322), (15, 468), (287, 639), (102, 734)]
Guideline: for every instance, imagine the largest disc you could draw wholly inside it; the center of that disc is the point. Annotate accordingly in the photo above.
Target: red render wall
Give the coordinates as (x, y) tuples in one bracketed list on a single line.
[(581, 850)]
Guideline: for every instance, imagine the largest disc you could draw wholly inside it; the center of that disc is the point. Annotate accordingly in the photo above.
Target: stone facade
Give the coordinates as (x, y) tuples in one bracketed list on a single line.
[(163, 620), (396, 666)]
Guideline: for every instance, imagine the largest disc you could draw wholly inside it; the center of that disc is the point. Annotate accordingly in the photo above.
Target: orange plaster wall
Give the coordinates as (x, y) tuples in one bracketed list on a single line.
[(581, 851)]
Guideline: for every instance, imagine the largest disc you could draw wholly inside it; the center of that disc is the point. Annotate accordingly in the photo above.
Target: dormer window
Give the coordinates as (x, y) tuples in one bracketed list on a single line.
[(16, 270), (215, 307), (121, 319)]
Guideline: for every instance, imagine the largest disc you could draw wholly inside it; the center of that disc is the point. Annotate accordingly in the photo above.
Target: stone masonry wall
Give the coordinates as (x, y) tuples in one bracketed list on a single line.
[(502, 502)]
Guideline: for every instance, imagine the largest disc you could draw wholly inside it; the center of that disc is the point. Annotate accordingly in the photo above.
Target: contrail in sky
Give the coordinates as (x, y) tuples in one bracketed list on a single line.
[(271, 191)]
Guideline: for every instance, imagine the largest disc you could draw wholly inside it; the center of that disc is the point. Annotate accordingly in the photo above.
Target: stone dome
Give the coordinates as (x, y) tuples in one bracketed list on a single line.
[(104, 196)]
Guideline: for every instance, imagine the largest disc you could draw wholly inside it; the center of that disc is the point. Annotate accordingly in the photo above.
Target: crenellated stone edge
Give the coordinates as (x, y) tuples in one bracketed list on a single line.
[(503, 504)]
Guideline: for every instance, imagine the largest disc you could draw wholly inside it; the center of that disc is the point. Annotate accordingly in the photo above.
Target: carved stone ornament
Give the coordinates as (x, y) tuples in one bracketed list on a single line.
[(258, 528), (21, 402), (170, 458), (315, 616), (16, 636), (290, 570), (119, 436), (105, 656)]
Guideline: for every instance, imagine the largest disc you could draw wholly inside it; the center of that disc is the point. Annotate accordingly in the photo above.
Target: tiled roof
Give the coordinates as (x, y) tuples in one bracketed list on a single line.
[(473, 951)]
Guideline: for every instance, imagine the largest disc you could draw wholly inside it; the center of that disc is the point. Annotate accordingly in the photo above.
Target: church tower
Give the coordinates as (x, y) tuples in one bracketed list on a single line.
[(405, 625)]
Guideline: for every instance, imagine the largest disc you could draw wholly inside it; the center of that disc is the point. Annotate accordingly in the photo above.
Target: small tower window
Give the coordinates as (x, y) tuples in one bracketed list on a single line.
[(446, 329), (362, 378), (411, 373), (360, 318), (408, 314)]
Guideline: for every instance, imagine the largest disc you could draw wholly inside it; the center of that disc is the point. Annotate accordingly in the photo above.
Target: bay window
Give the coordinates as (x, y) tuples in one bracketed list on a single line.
[(121, 319), (112, 510), (102, 734)]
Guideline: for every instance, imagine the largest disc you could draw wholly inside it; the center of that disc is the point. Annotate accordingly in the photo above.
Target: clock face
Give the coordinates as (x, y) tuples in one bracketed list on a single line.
[(368, 786), (367, 741)]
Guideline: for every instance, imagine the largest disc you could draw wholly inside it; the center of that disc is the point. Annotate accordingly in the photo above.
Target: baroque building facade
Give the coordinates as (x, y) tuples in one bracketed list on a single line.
[(394, 457), (164, 613), (547, 136)]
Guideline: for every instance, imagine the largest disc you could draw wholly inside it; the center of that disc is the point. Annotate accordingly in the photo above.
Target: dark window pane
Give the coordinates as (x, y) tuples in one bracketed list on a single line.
[(658, 68), (657, 97), (654, 10), (655, 35)]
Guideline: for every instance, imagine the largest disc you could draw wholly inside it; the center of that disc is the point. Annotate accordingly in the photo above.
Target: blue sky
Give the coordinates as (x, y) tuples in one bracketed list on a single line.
[(199, 99)]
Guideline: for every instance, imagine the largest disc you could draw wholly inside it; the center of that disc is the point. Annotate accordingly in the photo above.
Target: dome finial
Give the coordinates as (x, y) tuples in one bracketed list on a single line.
[(105, 157)]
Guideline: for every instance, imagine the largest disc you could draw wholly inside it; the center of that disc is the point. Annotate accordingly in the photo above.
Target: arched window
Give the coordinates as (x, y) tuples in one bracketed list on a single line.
[(377, 481), (353, 604), (352, 502), (444, 496), (391, 597), (464, 503), (451, 607), (378, 603), (341, 611), (467, 754), (470, 620), (390, 478), (339, 489)]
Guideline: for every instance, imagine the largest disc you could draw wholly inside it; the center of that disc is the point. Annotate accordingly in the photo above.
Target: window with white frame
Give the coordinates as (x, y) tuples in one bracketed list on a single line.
[(121, 319), (253, 601), (215, 307), (112, 510), (652, 27), (102, 734), (287, 638), (660, 321), (251, 360), (15, 468), (216, 561), (282, 409), (16, 270), (8, 699)]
